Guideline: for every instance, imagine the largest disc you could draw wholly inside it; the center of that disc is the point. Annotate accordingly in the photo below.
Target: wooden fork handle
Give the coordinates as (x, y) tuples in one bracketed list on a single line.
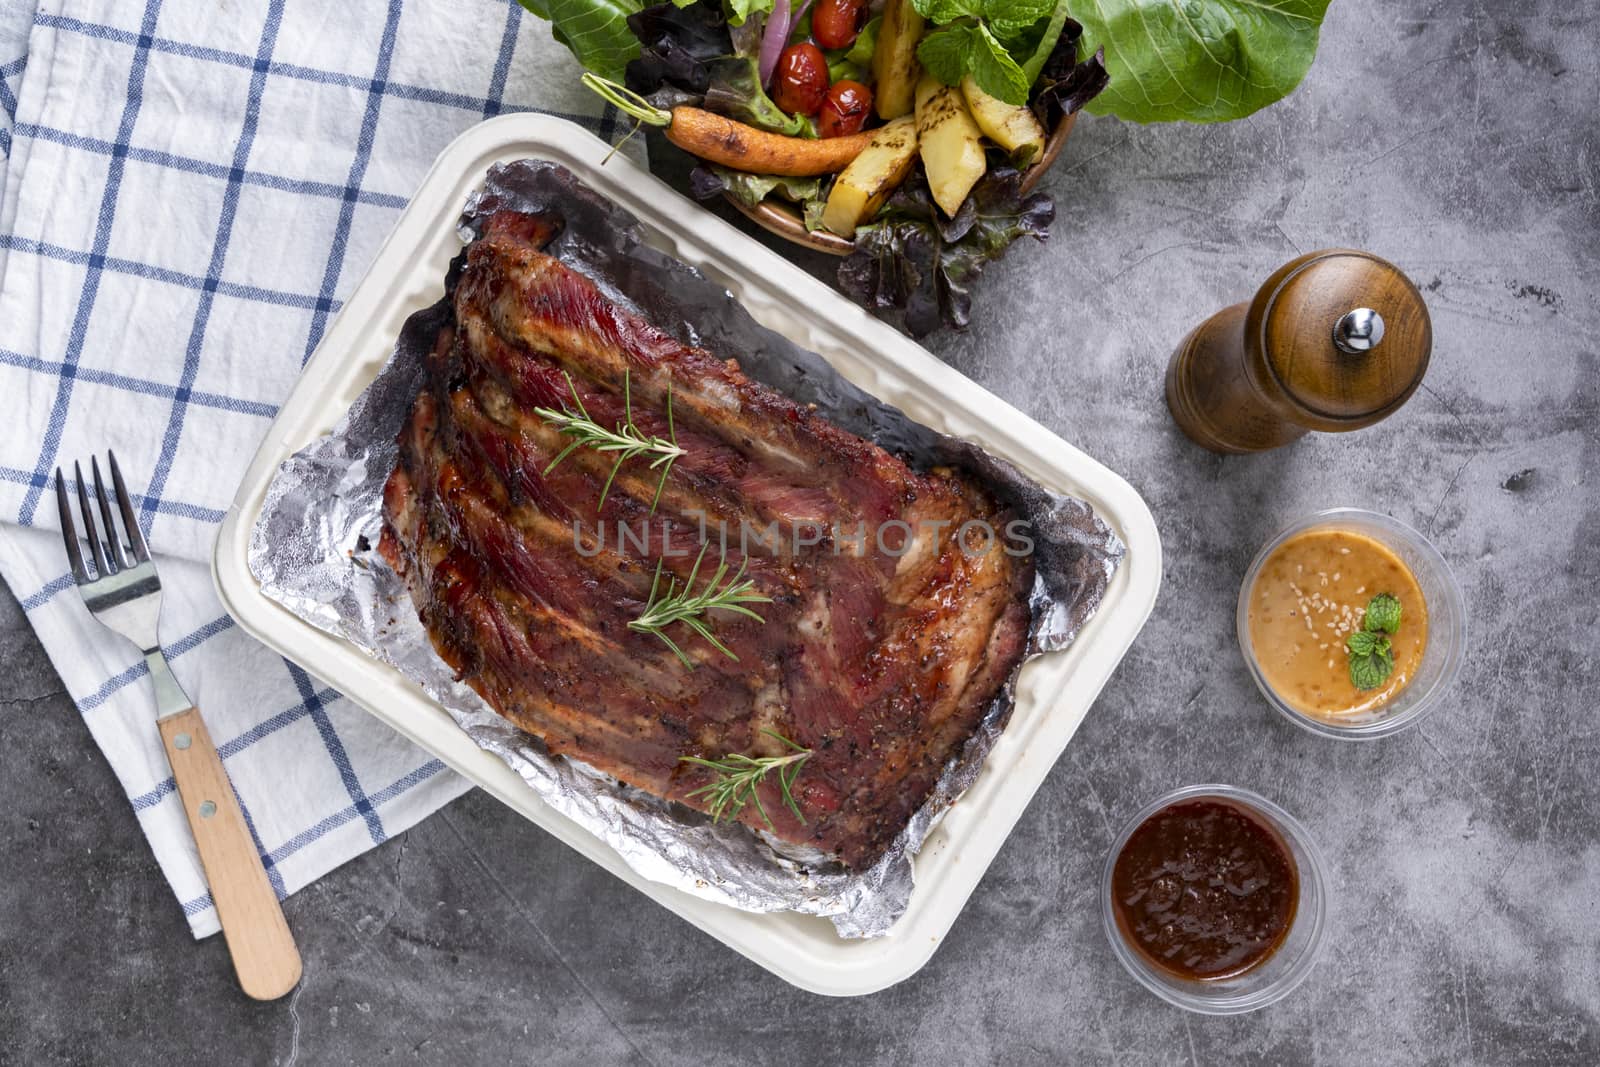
[(263, 950)]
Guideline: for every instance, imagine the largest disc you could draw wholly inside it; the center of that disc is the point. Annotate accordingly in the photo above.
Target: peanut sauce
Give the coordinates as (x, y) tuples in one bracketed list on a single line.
[(1205, 889), (1311, 593)]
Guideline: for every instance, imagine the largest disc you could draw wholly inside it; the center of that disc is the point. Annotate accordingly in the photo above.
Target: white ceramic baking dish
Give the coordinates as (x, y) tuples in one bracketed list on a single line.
[(1054, 691)]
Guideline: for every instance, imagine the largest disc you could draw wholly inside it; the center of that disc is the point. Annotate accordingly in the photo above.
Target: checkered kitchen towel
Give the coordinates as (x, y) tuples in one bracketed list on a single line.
[(190, 190)]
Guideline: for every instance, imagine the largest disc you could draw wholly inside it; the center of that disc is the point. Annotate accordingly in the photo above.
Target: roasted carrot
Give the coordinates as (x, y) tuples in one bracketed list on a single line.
[(734, 144), (743, 147)]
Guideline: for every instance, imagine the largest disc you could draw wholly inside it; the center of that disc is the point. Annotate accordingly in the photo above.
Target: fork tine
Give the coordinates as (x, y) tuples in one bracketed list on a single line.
[(119, 555), (89, 531), (69, 531), (141, 551)]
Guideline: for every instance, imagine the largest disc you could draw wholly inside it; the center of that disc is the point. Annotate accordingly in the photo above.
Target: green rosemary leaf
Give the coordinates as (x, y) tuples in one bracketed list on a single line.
[(625, 439), (663, 609), (737, 779)]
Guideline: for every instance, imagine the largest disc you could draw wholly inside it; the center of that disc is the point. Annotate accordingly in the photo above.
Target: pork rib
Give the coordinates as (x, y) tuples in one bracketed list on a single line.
[(887, 635)]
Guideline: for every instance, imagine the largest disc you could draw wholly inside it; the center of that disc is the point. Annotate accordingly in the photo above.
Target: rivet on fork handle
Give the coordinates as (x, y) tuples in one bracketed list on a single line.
[(263, 950)]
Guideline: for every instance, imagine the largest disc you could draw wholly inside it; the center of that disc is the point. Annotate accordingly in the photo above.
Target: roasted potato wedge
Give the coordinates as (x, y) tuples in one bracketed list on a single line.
[(950, 142), (1011, 127), (866, 183), (894, 61)]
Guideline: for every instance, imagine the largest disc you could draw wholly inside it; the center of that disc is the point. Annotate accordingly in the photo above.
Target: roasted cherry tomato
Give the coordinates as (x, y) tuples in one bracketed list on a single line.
[(845, 110), (801, 80), (835, 23)]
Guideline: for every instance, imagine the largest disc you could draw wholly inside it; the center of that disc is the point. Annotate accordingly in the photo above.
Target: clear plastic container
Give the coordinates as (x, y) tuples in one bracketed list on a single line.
[(1273, 978), (1447, 626)]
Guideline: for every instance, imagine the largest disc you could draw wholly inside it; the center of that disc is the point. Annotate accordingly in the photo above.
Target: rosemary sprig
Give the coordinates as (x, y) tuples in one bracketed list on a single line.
[(686, 606), (627, 440), (738, 776)]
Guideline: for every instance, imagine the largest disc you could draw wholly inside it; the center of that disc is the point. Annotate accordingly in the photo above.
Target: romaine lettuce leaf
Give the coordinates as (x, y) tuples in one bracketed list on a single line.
[(595, 30), (1199, 60)]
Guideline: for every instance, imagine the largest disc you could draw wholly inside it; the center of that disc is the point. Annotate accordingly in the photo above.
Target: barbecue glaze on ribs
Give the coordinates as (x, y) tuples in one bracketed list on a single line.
[(881, 663)]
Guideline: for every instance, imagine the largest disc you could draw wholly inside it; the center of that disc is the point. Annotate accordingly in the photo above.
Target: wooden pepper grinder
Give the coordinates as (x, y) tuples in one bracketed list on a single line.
[(1333, 341)]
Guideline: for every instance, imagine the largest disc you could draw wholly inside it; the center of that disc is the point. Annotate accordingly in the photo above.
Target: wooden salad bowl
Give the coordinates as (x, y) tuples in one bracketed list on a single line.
[(779, 216)]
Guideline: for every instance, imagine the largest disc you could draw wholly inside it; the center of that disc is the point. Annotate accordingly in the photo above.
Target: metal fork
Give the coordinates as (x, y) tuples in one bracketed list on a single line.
[(124, 593)]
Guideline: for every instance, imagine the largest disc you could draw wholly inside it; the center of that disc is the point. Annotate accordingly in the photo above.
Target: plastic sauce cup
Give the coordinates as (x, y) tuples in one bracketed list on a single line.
[(1447, 626), (1274, 977)]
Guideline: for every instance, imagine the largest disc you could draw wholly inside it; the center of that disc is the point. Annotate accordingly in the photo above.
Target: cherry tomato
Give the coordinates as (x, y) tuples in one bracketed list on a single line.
[(801, 80), (835, 23), (845, 110)]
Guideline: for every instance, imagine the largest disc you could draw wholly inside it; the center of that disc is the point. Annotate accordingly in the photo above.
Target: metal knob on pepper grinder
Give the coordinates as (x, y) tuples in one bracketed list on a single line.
[(1333, 341)]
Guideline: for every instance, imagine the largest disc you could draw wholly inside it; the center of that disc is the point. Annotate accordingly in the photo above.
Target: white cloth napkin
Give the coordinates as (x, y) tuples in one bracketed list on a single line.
[(190, 190)]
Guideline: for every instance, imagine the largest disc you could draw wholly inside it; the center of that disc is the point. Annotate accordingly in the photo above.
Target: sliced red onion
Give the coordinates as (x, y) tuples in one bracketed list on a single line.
[(773, 40)]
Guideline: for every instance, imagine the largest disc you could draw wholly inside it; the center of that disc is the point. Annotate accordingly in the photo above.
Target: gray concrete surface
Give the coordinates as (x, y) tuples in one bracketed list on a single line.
[(1457, 139)]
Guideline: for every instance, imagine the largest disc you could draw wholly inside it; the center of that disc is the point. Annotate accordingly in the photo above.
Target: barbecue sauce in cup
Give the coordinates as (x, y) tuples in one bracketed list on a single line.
[(1205, 889)]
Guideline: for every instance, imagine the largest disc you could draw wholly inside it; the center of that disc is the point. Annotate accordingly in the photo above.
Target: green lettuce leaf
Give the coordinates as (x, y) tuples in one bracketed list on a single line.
[(860, 53), (595, 30), (735, 91), (1199, 60), (739, 10), (856, 61), (710, 179), (812, 213)]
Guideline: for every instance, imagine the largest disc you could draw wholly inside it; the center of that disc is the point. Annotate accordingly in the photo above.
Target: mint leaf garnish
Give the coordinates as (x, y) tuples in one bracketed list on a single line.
[(941, 12), (944, 54), (994, 70), (1383, 613), (1371, 669), (1371, 653), (1361, 643), (1003, 44), (1012, 15)]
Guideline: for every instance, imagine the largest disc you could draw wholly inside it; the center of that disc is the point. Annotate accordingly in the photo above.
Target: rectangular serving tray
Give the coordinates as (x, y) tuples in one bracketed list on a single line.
[(1054, 691)]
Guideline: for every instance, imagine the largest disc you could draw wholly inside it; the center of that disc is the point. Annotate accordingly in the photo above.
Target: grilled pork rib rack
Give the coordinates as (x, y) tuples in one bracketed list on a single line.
[(879, 651)]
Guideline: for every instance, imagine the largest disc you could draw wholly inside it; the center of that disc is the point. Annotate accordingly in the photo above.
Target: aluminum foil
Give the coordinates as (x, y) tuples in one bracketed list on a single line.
[(313, 551)]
